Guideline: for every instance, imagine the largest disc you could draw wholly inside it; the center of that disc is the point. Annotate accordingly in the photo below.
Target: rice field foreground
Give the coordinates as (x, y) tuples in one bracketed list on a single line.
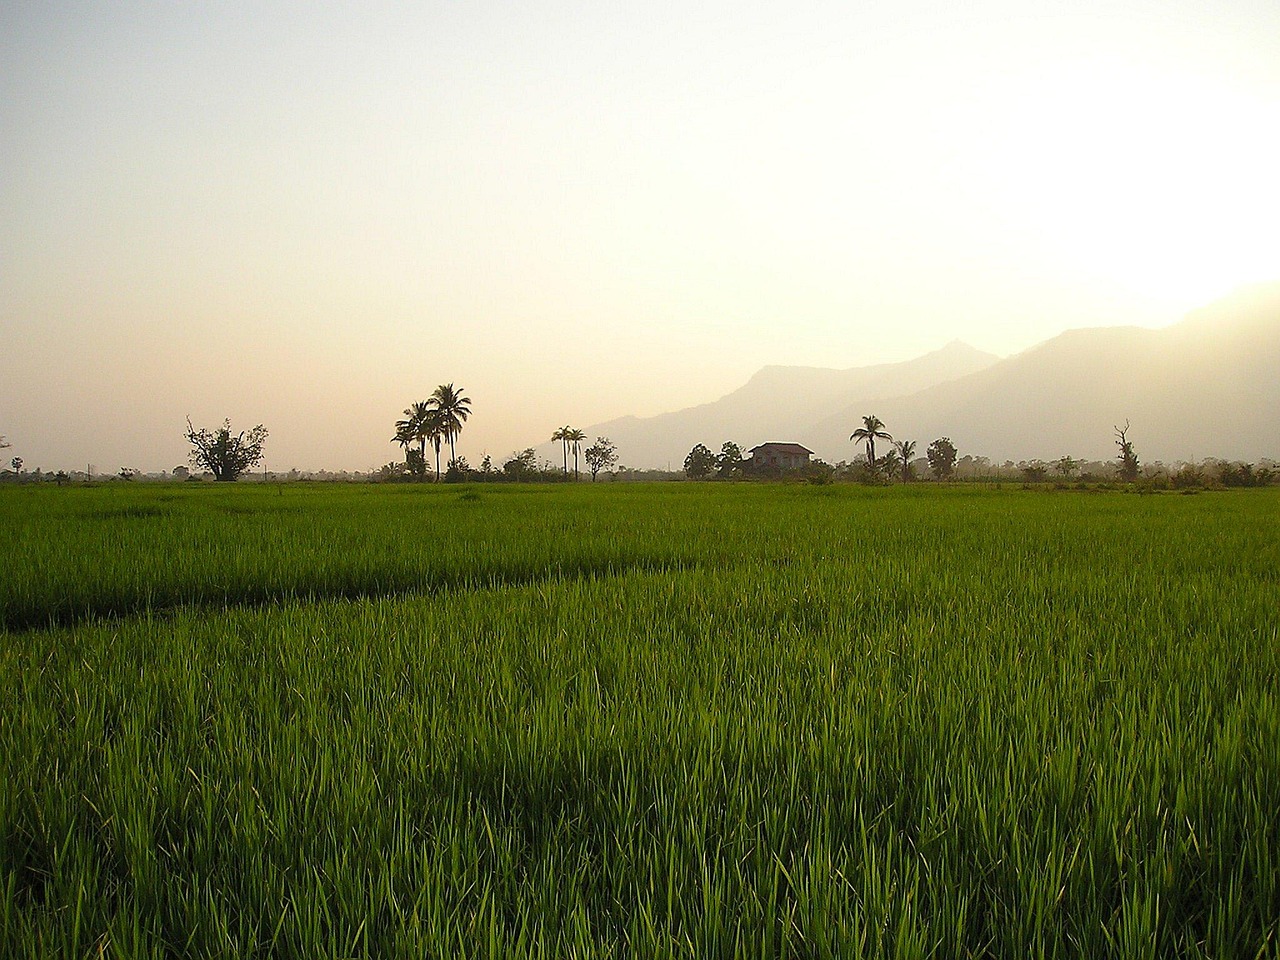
[(638, 721)]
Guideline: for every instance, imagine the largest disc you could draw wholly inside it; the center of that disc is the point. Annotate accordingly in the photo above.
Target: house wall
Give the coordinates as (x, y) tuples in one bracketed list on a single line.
[(783, 461)]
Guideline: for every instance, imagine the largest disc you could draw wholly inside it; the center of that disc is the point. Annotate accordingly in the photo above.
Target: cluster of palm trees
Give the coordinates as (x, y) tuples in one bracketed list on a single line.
[(872, 429), (437, 420), (570, 439)]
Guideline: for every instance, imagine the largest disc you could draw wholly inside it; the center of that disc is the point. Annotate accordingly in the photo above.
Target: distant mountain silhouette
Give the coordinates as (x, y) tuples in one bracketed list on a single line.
[(1208, 386), (778, 403)]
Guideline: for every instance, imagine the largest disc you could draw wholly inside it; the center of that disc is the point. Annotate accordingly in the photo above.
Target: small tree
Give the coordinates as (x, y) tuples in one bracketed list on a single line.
[(1067, 467), (457, 471), (889, 464), (388, 472), (406, 436), (16, 463), (906, 450), (224, 455), (1034, 471), (601, 455), (1128, 458), (415, 464), (700, 463), (522, 465), (729, 462), (942, 458)]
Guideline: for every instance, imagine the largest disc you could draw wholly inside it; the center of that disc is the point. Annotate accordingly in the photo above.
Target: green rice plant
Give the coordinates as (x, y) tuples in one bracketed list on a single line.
[(654, 721)]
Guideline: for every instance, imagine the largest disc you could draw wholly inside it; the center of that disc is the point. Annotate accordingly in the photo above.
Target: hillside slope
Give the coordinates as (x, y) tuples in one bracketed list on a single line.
[(1208, 386), (775, 404)]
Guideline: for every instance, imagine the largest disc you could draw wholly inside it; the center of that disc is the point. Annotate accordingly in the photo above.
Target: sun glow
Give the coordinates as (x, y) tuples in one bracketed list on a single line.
[(1163, 184), (683, 196)]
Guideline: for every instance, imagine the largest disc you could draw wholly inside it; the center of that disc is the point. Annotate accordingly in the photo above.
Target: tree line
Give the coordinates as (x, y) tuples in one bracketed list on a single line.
[(942, 458), (702, 464), (439, 420)]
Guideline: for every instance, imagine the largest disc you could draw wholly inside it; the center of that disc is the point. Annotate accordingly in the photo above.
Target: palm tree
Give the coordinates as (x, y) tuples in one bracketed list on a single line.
[(433, 429), (406, 433), (453, 409), (870, 431), (890, 463), (562, 434), (575, 438), (416, 417), (906, 450)]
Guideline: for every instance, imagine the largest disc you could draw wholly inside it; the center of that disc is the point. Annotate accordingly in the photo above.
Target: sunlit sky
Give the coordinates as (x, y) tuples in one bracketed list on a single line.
[(310, 214)]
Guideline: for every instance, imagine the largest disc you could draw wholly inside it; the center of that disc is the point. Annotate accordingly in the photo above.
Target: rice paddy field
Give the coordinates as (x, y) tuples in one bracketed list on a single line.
[(680, 720)]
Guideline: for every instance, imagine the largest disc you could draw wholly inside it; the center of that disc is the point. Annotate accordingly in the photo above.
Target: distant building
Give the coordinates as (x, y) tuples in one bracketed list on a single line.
[(779, 456)]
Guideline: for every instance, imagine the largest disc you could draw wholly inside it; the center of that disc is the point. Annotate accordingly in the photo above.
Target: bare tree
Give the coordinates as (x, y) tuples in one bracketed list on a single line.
[(1128, 459)]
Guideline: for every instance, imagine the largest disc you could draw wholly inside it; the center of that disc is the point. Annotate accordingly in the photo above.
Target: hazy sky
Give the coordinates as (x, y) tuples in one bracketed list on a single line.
[(310, 214)]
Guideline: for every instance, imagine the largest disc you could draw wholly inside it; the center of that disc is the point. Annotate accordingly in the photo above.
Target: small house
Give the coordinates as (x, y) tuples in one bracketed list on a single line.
[(779, 456)]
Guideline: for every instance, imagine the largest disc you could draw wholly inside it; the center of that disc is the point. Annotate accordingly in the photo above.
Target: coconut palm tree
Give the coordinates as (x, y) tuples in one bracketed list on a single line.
[(416, 416), (906, 450), (406, 434), (890, 463), (871, 430), (562, 434), (453, 408), (574, 438), (433, 429)]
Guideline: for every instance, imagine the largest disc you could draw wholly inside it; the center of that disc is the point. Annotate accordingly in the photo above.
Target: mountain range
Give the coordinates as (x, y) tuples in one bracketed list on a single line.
[(1208, 386)]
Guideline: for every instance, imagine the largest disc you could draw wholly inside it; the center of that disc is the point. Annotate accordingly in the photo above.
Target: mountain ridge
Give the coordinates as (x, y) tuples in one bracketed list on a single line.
[(773, 400), (1207, 385)]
